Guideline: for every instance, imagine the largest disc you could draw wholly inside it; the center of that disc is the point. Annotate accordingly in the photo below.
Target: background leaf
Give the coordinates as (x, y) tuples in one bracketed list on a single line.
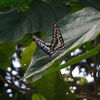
[(53, 87), (6, 52), (38, 18), (27, 55), (4, 4)]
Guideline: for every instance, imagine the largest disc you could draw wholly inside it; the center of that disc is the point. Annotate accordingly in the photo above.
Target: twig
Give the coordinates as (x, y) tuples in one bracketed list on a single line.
[(86, 96), (17, 88)]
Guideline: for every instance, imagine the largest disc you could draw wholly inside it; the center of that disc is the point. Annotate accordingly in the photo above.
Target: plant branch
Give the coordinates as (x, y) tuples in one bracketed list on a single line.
[(86, 96), (17, 88)]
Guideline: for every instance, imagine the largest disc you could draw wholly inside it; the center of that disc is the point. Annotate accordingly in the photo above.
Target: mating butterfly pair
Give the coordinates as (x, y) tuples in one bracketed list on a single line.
[(56, 44)]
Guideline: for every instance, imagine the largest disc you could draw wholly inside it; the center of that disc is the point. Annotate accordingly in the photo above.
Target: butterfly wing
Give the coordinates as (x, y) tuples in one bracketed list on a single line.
[(56, 44), (45, 46), (57, 41), (54, 38)]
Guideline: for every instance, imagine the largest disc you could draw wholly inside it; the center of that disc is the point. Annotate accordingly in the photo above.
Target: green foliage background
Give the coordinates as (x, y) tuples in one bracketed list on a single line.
[(79, 22)]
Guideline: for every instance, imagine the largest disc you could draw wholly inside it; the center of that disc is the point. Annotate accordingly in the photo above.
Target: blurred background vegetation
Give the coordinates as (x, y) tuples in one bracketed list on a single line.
[(78, 81)]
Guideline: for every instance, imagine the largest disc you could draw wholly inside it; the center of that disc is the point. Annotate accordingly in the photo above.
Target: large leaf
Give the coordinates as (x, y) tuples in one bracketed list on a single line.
[(52, 87), (77, 28), (38, 18)]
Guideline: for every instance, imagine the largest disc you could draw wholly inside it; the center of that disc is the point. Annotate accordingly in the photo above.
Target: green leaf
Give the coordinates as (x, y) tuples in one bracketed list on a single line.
[(75, 5), (76, 29), (88, 54), (37, 97), (38, 18), (53, 87), (9, 3), (27, 55), (25, 41), (6, 51)]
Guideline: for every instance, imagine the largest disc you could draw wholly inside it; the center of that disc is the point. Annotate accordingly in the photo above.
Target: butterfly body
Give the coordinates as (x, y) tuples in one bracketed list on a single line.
[(56, 44)]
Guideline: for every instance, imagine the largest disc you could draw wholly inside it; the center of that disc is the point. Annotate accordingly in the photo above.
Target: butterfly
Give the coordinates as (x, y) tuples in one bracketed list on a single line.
[(56, 44)]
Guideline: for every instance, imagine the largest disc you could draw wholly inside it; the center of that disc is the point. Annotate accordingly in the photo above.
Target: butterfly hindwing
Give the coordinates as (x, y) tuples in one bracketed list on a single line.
[(54, 38), (58, 41)]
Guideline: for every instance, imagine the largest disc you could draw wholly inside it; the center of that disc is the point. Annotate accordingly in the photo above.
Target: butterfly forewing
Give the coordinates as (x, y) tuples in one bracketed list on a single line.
[(45, 46)]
